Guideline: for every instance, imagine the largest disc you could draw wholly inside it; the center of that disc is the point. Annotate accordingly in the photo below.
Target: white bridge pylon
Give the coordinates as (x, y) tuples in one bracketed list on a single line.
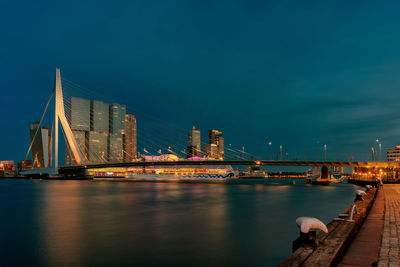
[(60, 115)]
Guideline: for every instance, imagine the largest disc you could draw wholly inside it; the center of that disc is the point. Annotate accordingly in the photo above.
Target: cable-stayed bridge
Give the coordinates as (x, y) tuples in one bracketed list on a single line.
[(84, 161)]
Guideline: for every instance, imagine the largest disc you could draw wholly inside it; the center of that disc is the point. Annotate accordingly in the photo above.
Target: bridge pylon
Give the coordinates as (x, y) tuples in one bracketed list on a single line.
[(59, 115)]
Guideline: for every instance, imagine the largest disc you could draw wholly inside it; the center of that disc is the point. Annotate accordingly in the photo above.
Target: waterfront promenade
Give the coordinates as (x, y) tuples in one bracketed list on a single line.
[(389, 253), (365, 248), (378, 240)]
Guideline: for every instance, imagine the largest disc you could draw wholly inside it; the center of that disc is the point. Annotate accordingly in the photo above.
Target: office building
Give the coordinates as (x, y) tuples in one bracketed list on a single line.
[(393, 154), (194, 147), (40, 139), (129, 138), (215, 137)]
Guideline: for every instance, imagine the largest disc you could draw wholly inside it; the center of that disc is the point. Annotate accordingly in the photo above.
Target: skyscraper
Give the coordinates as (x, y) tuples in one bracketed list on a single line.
[(78, 116), (130, 140), (116, 130), (215, 137), (98, 135), (98, 129), (194, 147), (40, 145)]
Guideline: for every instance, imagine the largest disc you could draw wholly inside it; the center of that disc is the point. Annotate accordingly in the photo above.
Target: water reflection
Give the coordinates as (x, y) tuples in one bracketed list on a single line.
[(123, 224), (62, 223)]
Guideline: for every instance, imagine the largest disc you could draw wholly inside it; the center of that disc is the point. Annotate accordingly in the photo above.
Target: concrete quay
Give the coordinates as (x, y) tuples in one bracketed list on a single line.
[(365, 248), (333, 245), (376, 243)]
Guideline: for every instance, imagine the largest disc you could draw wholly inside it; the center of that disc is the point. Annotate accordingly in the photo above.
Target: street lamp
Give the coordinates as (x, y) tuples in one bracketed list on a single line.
[(378, 147), (269, 149), (324, 152)]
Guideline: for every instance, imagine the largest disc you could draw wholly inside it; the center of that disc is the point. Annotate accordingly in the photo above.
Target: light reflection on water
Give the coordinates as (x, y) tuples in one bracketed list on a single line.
[(81, 223)]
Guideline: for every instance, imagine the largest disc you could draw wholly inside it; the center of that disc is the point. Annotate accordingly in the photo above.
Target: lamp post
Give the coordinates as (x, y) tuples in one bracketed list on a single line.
[(324, 152), (269, 150), (376, 151)]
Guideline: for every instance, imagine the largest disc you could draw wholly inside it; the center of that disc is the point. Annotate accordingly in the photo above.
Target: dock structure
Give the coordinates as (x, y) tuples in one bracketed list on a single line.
[(373, 239), (366, 246), (332, 246)]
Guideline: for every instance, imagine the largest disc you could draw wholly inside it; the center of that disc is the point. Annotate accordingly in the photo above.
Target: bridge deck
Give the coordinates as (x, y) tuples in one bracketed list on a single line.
[(234, 162)]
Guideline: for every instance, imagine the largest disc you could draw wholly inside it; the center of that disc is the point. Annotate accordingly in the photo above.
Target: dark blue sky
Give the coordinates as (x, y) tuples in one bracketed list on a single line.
[(298, 74)]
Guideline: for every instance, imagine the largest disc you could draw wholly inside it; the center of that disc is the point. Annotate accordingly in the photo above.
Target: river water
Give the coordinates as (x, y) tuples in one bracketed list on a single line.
[(92, 223)]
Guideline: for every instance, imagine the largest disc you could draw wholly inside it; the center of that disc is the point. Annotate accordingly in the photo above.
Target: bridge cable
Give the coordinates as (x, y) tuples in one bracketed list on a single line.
[(39, 127)]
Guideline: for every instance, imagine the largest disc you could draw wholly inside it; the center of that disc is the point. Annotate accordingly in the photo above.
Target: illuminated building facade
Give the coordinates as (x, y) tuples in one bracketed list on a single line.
[(129, 138), (393, 154), (210, 151), (97, 143), (215, 137), (78, 116), (194, 147)]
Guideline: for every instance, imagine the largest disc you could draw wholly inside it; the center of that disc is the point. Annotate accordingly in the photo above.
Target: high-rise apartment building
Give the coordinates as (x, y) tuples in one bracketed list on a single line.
[(194, 147), (129, 137), (215, 137), (41, 150)]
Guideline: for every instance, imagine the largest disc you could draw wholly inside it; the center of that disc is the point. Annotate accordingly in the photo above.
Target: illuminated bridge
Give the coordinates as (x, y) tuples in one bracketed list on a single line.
[(81, 165), (234, 162)]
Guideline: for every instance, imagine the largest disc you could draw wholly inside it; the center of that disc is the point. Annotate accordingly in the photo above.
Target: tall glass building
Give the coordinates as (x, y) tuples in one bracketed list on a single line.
[(116, 130), (194, 147), (99, 131), (78, 115), (129, 138), (99, 116)]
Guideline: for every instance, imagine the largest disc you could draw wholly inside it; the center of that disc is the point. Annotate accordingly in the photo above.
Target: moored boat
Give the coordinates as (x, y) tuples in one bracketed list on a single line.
[(253, 172), (319, 176)]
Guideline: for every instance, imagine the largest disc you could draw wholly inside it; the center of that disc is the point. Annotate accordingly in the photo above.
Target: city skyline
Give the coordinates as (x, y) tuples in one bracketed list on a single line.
[(274, 87)]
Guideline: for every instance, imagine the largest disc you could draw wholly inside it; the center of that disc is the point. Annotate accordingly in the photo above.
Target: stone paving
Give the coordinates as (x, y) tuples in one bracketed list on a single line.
[(389, 253), (364, 249)]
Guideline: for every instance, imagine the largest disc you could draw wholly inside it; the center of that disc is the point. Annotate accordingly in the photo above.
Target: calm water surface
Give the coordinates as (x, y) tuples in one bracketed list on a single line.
[(87, 223)]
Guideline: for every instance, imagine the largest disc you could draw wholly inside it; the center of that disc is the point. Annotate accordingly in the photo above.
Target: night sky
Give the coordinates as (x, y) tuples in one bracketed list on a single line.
[(297, 73)]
